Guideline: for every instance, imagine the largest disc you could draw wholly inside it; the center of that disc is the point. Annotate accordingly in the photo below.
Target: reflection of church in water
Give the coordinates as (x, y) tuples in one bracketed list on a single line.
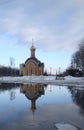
[(33, 92)]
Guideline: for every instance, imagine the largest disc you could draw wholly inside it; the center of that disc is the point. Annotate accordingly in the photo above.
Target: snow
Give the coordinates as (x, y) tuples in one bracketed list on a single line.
[(65, 81), (64, 126), (73, 78)]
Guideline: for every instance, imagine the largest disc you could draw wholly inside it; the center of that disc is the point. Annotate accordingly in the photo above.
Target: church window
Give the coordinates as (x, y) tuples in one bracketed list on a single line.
[(31, 71)]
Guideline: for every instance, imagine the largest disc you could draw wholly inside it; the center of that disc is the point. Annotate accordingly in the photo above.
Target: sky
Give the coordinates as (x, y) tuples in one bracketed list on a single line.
[(56, 26)]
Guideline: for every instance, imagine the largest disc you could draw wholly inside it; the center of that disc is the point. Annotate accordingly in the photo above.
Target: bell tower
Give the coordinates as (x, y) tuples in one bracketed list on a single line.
[(32, 50)]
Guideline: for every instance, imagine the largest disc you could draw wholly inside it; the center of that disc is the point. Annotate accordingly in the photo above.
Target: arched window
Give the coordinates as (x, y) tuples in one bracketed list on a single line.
[(31, 71)]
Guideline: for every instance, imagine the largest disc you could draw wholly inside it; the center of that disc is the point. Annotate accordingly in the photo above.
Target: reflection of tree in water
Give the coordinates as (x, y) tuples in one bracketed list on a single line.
[(78, 97), (12, 94), (10, 87), (32, 92)]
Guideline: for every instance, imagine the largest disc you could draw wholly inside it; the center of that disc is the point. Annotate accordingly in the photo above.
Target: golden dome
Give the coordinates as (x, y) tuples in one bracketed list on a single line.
[(32, 47)]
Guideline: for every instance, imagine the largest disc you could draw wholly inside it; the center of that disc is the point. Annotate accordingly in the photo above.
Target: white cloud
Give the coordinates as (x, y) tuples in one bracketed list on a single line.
[(53, 24)]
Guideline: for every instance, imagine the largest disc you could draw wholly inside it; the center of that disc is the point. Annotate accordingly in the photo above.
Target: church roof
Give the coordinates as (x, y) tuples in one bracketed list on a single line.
[(36, 60)]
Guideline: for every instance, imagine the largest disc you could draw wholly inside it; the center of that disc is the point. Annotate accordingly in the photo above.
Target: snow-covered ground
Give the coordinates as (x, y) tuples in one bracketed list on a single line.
[(65, 126), (66, 81)]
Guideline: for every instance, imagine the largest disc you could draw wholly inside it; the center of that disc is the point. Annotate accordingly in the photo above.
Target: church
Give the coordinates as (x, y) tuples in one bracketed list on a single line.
[(32, 65)]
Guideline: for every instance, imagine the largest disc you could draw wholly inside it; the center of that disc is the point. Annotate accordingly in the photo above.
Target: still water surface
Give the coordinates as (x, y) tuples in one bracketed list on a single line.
[(40, 107)]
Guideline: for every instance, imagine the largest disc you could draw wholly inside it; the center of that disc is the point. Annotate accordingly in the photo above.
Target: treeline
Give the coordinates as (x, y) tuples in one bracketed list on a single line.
[(8, 71), (77, 62)]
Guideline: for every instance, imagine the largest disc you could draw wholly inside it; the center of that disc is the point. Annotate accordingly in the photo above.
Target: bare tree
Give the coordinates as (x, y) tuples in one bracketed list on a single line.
[(77, 61), (12, 64), (12, 61)]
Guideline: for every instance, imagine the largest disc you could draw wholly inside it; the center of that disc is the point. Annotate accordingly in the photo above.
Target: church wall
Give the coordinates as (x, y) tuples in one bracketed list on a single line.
[(32, 69)]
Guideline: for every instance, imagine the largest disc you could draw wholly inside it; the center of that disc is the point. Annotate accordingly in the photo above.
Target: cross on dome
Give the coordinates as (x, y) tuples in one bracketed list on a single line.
[(32, 49)]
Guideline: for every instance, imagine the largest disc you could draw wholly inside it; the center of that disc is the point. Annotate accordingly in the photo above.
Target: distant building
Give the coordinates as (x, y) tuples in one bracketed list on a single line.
[(32, 65)]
